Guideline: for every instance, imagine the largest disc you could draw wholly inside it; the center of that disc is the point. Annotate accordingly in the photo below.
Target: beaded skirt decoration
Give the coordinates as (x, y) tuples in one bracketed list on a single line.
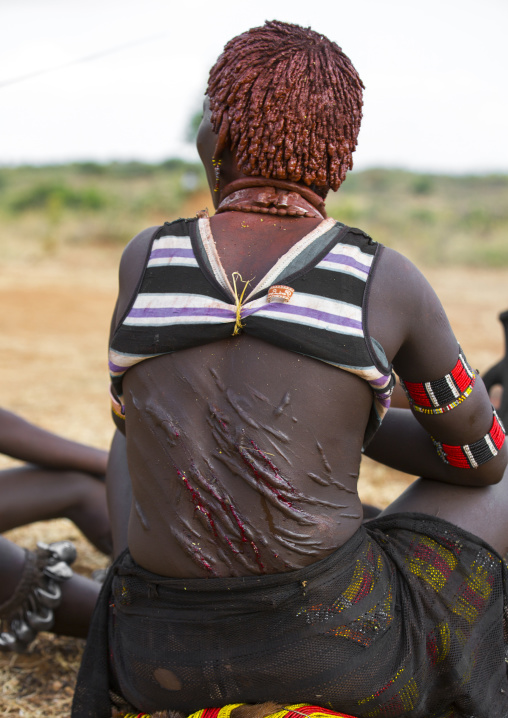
[(299, 710)]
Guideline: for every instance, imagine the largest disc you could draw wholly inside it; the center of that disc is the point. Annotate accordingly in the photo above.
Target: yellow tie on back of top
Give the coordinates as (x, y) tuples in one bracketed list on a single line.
[(238, 324)]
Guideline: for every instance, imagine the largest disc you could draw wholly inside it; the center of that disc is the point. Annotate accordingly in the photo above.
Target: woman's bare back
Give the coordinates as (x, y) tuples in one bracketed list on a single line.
[(245, 459)]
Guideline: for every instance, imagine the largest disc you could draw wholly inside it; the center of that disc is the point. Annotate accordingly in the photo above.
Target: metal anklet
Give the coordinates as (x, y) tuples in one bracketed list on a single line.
[(31, 608)]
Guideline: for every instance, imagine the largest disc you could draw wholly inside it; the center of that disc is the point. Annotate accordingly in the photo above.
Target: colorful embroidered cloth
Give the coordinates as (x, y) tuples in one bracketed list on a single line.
[(295, 711), (298, 710), (406, 619)]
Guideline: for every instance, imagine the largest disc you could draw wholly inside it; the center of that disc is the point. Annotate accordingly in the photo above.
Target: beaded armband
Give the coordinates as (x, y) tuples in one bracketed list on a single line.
[(441, 395), (470, 456)]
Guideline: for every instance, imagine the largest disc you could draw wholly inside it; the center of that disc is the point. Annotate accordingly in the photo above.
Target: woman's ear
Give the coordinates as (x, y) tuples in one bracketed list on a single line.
[(222, 138)]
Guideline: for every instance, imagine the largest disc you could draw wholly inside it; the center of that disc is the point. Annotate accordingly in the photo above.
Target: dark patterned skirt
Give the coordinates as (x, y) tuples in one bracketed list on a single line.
[(408, 618)]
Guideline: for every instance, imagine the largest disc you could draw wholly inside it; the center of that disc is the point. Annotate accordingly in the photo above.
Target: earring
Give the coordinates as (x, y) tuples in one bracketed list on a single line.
[(217, 164)]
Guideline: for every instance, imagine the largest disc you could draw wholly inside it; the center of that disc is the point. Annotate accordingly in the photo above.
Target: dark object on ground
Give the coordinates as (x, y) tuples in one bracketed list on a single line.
[(498, 374)]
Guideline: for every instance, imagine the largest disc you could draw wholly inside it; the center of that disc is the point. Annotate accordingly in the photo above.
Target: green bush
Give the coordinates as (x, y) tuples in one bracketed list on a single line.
[(90, 168), (429, 218), (423, 185), (45, 195)]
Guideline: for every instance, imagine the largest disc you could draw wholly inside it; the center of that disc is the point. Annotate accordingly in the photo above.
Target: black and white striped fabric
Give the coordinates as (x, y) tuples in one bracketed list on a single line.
[(185, 299)]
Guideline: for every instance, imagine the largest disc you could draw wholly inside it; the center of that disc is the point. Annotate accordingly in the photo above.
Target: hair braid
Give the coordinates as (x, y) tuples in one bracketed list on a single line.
[(290, 104)]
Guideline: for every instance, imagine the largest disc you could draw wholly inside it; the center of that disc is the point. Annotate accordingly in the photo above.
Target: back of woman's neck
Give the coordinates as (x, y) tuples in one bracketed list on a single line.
[(252, 243), (270, 196)]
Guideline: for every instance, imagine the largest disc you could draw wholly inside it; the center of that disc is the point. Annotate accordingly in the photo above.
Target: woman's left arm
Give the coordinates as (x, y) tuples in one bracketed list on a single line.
[(451, 433)]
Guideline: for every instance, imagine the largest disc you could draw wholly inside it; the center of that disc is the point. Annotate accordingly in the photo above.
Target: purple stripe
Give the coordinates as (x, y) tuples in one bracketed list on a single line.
[(381, 381), (181, 312), (385, 403), (171, 252), (306, 312), (116, 367), (347, 260)]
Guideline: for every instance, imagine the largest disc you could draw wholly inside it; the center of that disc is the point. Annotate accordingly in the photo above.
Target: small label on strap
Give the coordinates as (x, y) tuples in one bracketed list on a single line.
[(280, 293)]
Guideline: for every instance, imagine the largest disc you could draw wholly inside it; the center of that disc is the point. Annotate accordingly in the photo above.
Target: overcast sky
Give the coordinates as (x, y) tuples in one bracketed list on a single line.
[(120, 79)]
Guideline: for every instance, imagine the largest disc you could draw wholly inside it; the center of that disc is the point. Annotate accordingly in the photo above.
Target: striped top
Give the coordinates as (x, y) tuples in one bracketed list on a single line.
[(185, 299)]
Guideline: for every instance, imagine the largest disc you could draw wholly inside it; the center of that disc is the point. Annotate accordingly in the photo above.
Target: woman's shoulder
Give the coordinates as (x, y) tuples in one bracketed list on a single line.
[(132, 267), (136, 253), (137, 247), (396, 271), (136, 250), (403, 305)]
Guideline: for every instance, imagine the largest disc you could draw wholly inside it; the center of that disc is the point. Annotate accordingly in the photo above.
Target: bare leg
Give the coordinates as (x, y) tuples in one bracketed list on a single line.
[(72, 617), (79, 594), (30, 443), (30, 493), (482, 511), (12, 560)]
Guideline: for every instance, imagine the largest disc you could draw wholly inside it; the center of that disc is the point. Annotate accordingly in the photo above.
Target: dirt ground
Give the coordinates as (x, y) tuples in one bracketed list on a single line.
[(54, 328)]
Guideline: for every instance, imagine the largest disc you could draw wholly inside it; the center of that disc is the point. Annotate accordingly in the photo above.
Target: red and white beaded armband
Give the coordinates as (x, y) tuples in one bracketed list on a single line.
[(470, 456), (441, 395)]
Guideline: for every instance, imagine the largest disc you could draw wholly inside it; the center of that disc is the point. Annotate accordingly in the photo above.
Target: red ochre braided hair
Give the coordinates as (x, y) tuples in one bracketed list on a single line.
[(288, 103)]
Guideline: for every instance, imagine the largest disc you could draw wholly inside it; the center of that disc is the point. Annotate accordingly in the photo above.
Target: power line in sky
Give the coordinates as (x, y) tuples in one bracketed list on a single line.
[(80, 60)]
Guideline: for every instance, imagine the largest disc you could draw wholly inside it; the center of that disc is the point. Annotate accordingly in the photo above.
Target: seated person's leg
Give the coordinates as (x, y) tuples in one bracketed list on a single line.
[(39, 592), (30, 493), (482, 511)]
